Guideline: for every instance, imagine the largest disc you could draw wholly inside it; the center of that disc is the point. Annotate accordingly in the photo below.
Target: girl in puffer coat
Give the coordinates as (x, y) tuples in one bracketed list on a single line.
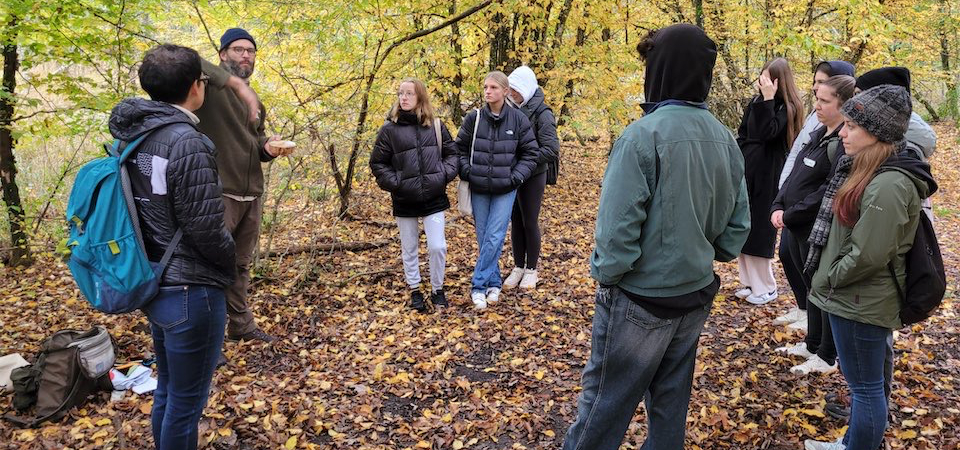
[(498, 153), (414, 166)]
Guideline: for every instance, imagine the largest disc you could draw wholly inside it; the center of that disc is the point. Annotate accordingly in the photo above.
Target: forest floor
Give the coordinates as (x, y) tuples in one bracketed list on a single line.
[(355, 368)]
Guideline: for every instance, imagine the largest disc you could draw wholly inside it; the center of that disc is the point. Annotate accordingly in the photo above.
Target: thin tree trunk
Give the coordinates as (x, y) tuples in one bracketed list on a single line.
[(500, 42), (20, 253), (453, 101), (698, 12), (951, 109)]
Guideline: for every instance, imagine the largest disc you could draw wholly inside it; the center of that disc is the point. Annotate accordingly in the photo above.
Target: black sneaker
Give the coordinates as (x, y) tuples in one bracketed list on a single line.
[(837, 410), (417, 303), (439, 299)]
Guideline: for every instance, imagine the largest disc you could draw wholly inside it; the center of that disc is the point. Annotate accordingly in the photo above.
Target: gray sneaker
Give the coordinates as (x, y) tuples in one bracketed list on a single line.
[(811, 444)]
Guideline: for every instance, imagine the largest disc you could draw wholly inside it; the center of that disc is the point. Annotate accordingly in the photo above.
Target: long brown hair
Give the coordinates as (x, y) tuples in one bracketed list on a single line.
[(787, 91), (423, 110), (865, 164)]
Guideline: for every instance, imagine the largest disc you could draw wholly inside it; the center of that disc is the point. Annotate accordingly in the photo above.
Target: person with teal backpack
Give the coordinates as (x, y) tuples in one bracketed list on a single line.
[(148, 233)]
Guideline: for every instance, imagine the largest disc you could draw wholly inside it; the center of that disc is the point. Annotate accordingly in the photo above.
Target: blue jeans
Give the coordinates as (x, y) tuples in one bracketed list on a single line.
[(491, 214), (636, 356), (862, 351), (187, 323)]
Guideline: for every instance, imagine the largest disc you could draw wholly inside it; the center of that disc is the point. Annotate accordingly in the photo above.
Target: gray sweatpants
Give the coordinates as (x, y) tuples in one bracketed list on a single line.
[(433, 226)]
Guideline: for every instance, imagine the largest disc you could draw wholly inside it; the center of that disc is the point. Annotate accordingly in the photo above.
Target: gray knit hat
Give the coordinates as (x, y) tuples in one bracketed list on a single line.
[(883, 110)]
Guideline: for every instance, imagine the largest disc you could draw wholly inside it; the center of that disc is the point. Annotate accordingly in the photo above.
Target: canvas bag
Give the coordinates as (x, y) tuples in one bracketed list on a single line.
[(464, 204)]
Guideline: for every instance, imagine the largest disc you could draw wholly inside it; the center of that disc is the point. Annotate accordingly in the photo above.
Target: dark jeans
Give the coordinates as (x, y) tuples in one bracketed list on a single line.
[(819, 337), (788, 248), (862, 349), (525, 222), (636, 356), (187, 325)]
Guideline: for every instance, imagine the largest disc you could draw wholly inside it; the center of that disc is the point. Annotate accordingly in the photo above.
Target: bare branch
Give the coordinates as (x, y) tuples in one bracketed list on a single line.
[(213, 43)]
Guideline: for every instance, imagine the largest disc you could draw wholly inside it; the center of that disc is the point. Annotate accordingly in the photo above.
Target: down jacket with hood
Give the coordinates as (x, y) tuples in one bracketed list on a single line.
[(175, 184), (413, 167), (853, 280), (541, 117), (505, 153)]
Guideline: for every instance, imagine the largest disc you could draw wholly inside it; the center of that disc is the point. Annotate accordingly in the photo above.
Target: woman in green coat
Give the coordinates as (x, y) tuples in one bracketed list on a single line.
[(867, 221)]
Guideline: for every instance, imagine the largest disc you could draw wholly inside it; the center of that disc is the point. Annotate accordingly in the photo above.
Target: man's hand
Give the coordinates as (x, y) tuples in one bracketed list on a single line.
[(777, 219), (247, 96), (271, 150)]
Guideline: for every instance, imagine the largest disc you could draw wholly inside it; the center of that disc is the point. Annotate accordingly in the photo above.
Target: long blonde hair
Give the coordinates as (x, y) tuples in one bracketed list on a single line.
[(865, 164), (424, 109)]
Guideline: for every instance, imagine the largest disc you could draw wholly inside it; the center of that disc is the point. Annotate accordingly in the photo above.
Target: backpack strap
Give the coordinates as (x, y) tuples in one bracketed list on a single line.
[(131, 204), (833, 150), (436, 126)]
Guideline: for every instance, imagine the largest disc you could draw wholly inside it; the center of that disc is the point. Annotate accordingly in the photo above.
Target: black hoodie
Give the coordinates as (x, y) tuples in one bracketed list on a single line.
[(175, 185), (906, 161), (679, 65)]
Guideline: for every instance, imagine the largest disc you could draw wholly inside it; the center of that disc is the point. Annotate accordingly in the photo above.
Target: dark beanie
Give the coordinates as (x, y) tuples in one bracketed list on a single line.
[(234, 34), (834, 68), (884, 111), (899, 76)]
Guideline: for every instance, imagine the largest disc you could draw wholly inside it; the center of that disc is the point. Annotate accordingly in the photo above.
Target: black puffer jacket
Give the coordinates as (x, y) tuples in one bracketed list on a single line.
[(544, 128), (505, 154), (408, 163), (803, 190), (175, 184)]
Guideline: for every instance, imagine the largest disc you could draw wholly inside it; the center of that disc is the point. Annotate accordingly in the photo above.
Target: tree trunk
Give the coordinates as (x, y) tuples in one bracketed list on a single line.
[(698, 12), (951, 107), (453, 100), (20, 253), (500, 42)]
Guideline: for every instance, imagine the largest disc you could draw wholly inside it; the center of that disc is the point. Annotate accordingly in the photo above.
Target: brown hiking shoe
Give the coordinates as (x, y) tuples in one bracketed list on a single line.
[(255, 335)]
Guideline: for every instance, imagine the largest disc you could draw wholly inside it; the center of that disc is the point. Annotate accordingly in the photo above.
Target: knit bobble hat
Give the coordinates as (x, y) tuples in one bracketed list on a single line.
[(883, 110)]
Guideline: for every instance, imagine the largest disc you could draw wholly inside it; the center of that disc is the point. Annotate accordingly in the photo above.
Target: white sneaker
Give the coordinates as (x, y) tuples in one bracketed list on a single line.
[(791, 316), (514, 278), (479, 300), (493, 295), (796, 350), (813, 365), (800, 325), (743, 293), (762, 299), (811, 444), (529, 280)]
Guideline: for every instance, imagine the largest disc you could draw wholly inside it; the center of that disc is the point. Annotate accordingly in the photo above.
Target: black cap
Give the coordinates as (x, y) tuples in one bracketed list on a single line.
[(897, 76)]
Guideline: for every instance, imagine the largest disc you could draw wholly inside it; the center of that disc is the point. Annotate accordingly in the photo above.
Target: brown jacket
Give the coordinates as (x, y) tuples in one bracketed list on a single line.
[(239, 144)]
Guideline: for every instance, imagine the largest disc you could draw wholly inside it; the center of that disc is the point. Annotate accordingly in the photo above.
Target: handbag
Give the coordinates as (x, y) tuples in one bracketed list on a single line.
[(464, 205)]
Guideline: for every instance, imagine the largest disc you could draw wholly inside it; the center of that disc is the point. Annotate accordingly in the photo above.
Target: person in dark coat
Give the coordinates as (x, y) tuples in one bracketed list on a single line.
[(415, 167), (177, 191), (770, 124), (525, 235), (795, 209), (498, 153)]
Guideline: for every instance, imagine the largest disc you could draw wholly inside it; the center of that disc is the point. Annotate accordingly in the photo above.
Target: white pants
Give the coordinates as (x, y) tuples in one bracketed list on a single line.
[(757, 273), (433, 226)]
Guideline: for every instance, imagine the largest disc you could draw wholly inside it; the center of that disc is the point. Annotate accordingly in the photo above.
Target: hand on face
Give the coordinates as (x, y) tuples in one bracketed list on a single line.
[(767, 87)]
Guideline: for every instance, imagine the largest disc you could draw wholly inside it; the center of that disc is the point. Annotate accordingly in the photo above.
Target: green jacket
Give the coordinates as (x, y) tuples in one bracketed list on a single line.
[(659, 239), (223, 118), (852, 280)]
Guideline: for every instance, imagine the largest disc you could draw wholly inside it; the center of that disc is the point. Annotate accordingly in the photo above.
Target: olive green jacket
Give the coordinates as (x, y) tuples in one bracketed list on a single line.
[(853, 280)]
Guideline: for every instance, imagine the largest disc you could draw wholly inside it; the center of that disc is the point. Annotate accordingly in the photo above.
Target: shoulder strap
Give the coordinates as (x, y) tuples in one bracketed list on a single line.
[(473, 142), (833, 148), (436, 127), (131, 204)]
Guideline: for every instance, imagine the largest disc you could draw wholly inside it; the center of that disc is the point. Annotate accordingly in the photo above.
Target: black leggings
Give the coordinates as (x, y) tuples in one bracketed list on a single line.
[(525, 226), (789, 247), (819, 338)]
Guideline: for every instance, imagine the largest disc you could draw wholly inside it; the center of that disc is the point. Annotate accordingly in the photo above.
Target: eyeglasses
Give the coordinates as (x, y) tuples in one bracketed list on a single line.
[(205, 80), (240, 51)]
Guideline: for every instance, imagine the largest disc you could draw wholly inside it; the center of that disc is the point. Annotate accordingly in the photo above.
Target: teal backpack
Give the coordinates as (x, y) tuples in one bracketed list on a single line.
[(106, 253)]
